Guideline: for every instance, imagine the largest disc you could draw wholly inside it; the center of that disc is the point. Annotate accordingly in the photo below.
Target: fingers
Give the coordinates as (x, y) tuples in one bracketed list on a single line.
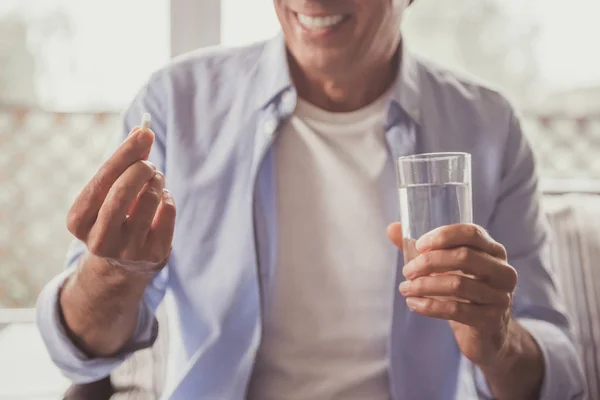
[(475, 315), (493, 271), (163, 226), (456, 286), (470, 235), (394, 232), (113, 212), (136, 147), (407, 245), (85, 209), (142, 214), (149, 134)]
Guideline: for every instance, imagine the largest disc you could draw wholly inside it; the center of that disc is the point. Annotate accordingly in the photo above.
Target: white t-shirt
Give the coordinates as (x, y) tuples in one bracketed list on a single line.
[(329, 312)]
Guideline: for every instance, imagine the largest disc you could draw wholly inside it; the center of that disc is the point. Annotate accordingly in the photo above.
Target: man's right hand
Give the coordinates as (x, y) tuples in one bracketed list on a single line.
[(124, 215)]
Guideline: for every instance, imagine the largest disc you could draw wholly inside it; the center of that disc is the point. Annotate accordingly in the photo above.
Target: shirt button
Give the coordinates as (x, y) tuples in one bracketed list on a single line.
[(288, 100), (270, 126), (414, 113)]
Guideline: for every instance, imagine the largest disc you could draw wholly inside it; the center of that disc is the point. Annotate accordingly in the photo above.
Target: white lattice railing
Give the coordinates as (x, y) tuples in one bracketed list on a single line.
[(45, 158)]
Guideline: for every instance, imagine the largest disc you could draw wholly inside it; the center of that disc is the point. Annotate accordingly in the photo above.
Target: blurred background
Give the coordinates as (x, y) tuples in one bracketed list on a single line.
[(69, 67)]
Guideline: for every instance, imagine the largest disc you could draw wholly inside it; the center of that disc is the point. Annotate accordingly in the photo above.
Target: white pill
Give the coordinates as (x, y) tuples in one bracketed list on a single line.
[(146, 119)]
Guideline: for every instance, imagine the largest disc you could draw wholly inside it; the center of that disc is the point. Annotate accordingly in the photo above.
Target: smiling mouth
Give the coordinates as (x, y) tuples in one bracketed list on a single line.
[(321, 23)]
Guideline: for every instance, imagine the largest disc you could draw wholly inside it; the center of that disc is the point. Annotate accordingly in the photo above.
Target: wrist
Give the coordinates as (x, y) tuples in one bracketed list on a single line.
[(519, 361), (509, 350), (98, 305), (94, 269)]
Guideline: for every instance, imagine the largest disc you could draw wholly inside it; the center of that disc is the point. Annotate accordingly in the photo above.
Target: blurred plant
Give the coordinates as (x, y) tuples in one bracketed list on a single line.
[(480, 37), (499, 46), (27, 44), (17, 75)]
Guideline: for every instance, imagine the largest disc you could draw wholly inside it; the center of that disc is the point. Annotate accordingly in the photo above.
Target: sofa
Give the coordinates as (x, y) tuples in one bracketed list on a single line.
[(574, 221)]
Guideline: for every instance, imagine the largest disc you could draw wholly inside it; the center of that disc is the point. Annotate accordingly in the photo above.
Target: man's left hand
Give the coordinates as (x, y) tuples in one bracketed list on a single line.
[(477, 302)]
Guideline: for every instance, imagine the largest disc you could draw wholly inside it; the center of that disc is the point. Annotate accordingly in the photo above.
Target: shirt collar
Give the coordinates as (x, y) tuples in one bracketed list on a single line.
[(406, 93), (274, 78), (273, 71)]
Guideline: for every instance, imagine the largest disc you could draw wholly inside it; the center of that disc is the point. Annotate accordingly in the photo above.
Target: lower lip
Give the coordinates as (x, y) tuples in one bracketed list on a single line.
[(321, 32)]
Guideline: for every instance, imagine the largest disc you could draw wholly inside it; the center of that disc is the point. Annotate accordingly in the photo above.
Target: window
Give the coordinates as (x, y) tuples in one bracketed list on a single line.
[(503, 41), (537, 52), (68, 68), (245, 22), (71, 55)]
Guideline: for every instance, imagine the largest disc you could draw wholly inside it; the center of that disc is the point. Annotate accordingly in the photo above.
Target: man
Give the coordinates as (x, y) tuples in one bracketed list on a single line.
[(280, 281)]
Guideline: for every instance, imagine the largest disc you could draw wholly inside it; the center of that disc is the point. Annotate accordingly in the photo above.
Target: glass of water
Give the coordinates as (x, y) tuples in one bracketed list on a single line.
[(435, 190)]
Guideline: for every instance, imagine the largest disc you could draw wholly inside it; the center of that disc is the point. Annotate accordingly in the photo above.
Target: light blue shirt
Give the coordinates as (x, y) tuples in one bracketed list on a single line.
[(216, 114)]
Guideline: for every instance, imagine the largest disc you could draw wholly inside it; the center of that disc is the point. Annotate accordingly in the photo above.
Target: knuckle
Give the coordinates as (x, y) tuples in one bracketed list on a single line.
[(502, 251), (159, 177), (474, 231), (153, 196), (96, 247), (75, 222), (443, 236), (139, 170), (427, 262), (428, 304), (144, 223), (102, 171), (111, 209), (146, 167), (418, 285), (96, 184), (462, 254), (97, 240), (117, 201), (477, 234), (452, 308), (456, 283)]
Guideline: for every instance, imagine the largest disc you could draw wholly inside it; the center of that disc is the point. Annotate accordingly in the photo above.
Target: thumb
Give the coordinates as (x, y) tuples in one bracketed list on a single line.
[(150, 141), (394, 233), (144, 139)]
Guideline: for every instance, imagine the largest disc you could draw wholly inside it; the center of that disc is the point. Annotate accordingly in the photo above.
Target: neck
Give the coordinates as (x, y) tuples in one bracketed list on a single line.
[(346, 93)]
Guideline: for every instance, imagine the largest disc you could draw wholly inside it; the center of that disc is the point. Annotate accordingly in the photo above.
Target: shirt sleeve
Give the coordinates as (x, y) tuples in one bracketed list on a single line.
[(519, 224), (74, 363)]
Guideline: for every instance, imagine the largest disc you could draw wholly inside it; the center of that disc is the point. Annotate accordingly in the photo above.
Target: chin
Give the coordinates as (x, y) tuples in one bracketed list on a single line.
[(325, 62)]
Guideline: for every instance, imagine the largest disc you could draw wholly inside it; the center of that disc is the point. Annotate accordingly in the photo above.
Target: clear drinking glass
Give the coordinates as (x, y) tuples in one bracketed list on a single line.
[(435, 190)]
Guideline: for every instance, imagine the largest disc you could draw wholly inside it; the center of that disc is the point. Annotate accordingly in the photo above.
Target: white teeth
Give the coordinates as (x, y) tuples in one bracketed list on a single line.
[(315, 23)]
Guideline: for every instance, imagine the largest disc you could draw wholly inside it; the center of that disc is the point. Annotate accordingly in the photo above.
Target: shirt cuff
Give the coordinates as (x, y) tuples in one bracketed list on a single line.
[(563, 374), (74, 364)]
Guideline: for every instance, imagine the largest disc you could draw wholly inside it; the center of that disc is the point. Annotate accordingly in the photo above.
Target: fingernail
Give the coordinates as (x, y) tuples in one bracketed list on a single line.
[(167, 196), (148, 163), (158, 176), (404, 287), (425, 241), (409, 270), (144, 136), (414, 303)]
